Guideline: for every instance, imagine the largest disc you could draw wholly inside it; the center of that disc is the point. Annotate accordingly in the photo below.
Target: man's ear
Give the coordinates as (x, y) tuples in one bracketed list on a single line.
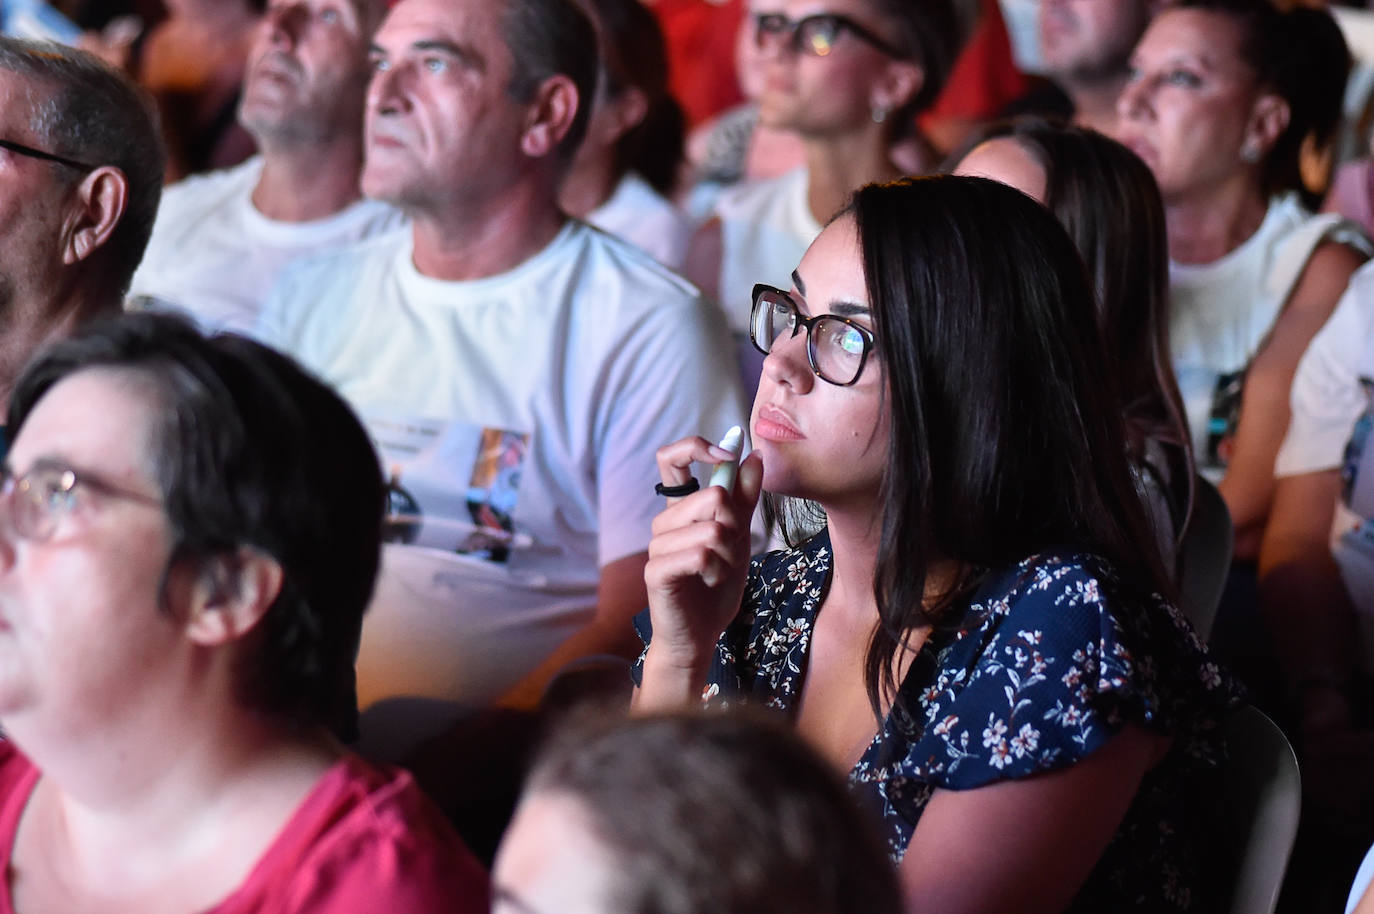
[(101, 198), (1268, 119), (230, 594), (550, 116)]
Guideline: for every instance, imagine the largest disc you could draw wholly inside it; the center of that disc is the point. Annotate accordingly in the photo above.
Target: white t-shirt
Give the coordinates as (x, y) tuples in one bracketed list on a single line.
[(1221, 313), (1330, 428), (518, 416), (766, 227), (215, 258), (640, 215)]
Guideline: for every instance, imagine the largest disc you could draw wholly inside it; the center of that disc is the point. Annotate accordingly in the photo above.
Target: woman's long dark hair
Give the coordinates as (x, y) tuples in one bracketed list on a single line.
[(635, 56), (1108, 201), (1006, 432)]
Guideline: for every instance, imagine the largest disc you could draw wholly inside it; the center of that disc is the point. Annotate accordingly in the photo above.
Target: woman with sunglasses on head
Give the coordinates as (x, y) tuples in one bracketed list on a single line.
[(974, 634), (1108, 201), (1224, 97), (848, 77)]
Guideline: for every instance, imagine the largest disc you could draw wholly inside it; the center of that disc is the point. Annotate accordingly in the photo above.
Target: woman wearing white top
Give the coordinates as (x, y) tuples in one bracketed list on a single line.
[(849, 78), (630, 156), (1223, 98)]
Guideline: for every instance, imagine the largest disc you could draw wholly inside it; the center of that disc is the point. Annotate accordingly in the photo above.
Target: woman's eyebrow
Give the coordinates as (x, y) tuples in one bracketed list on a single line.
[(850, 309)]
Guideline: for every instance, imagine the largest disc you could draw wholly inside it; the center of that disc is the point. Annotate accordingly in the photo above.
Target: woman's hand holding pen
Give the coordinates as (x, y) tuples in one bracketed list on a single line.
[(698, 563)]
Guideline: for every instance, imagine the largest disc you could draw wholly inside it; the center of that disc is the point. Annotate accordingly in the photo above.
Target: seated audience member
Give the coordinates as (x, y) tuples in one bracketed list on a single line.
[(1107, 199), (689, 814), (83, 162), (517, 369), (628, 161), (1223, 97), (221, 240), (1085, 48), (191, 529), (1316, 561), (975, 634), (850, 84)]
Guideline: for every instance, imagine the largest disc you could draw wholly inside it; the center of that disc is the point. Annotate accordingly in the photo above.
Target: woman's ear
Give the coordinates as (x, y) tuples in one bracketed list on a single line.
[(1268, 119), (229, 595), (900, 83)]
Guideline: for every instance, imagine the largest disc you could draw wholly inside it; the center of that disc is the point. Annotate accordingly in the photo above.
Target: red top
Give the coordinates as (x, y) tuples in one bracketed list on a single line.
[(365, 840)]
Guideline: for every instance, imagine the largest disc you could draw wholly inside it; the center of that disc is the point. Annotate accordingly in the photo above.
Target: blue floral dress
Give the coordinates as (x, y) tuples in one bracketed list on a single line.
[(1046, 663)]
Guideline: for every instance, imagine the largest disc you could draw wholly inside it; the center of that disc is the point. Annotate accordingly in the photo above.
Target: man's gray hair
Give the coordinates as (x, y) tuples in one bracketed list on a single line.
[(547, 38), (90, 112)]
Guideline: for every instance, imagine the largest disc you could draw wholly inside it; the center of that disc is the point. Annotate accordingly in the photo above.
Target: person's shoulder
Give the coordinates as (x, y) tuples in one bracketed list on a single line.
[(207, 190), (1299, 233), (1066, 600), (618, 267), (381, 844), (746, 196)]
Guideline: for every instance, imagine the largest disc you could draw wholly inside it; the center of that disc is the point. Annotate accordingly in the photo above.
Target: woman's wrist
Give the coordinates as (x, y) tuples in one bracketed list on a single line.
[(670, 680)]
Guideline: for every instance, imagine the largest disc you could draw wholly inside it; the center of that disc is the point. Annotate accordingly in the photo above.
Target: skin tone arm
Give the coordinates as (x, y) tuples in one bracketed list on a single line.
[(1050, 830), (1248, 487), (620, 595)]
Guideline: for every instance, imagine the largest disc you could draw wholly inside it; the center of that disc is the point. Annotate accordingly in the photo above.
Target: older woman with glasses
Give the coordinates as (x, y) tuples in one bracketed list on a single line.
[(189, 533), (849, 79), (971, 625)]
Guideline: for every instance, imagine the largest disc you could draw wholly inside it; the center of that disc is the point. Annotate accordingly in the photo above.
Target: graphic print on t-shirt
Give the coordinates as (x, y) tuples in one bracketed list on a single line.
[(1223, 418), (451, 486)]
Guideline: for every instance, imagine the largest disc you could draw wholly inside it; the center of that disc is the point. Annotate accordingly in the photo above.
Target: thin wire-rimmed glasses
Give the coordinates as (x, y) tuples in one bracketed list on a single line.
[(816, 34), (836, 347), (44, 496), (21, 149)]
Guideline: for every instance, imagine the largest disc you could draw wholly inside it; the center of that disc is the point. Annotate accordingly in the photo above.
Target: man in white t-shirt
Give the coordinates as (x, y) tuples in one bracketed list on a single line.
[(81, 161), (222, 239), (518, 369)]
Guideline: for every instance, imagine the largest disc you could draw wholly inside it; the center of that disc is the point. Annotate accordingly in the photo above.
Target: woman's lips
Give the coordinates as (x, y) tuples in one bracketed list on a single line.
[(772, 424)]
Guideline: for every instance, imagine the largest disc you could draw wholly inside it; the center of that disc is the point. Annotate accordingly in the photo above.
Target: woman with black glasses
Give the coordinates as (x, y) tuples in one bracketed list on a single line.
[(849, 79), (975, 633)]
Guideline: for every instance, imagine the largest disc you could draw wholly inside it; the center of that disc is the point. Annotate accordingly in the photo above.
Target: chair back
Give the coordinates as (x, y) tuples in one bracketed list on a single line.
[(1204, 557), (1263, 799)]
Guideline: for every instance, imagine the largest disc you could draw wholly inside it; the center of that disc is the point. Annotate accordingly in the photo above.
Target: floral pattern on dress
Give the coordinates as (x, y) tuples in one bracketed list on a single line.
[(1049, 659)]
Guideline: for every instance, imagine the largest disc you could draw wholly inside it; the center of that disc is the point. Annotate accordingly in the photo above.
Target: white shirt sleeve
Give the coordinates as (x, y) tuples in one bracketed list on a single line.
[(1326, 398)]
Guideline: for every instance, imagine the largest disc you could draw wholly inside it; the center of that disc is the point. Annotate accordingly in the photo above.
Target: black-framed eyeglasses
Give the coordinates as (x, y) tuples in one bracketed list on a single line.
[(40, 499), (21, 149), (836, 347), (816, 34)]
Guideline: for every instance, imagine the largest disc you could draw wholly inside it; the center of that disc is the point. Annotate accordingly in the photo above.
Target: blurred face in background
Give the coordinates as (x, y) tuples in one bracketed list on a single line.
[(308, 69), (1087, 40)]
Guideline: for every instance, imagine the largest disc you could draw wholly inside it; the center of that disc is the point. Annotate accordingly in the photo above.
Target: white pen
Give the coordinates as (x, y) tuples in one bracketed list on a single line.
[(724, 473)]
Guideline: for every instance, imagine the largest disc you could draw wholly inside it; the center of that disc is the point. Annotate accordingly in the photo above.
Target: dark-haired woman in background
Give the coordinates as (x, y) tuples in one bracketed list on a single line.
[(1223, 96), (628, 162), (1108, 201), (975, 635)]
